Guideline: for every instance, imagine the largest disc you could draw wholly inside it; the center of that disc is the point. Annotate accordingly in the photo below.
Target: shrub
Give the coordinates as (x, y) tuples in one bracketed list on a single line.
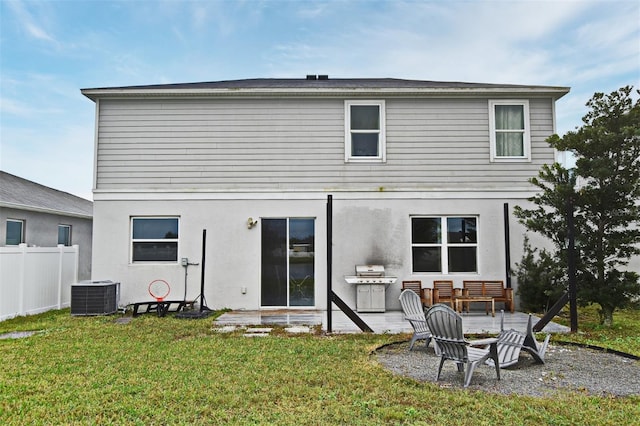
[(541, 279)]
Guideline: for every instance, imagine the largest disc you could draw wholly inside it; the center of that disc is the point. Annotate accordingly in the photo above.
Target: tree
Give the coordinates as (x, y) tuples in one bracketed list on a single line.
[(607, 202)]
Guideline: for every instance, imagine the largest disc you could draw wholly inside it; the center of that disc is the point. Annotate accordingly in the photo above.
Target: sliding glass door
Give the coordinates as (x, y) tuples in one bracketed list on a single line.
[(287, 274)]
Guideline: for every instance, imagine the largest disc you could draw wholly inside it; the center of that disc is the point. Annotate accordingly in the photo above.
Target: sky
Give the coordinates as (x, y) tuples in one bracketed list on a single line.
[(50, 49)]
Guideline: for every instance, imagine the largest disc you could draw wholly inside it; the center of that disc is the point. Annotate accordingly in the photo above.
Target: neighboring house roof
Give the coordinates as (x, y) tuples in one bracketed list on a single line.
[(322, 85), (19, 193)]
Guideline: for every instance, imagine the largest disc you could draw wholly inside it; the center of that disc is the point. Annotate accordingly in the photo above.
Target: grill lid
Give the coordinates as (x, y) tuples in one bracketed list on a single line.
[(370, 270)]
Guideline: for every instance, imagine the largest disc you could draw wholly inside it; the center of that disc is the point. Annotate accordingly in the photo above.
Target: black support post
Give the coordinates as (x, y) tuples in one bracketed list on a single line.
[(329, 260), (571, 267), (204, 310), (331, 296), (552, 312), (507, 246)]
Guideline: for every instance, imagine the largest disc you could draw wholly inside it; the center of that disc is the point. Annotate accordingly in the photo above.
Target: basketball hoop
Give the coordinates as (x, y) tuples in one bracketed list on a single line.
[(159, 289)]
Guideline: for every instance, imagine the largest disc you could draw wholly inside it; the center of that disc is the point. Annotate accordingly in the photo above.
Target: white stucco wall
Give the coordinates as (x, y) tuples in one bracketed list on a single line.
[(232, 252), (373, 228)]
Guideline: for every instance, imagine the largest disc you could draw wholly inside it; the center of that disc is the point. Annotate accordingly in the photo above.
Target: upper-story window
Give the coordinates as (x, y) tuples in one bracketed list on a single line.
[(509, 129), (364, 131), (64, 235), (15, 232), (154, 239)]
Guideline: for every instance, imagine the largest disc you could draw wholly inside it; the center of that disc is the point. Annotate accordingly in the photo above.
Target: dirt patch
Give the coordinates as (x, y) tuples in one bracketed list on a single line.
[(17, 334)]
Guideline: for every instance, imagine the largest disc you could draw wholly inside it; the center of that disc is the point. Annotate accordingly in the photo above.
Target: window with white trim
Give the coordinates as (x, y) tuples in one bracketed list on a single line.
[(15, 232), (364, 131), (154, 239), (444, 245), (509, 130), (64, 235)]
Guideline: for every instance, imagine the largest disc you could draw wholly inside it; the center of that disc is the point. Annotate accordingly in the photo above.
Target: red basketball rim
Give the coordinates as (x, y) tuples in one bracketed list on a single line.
[(159, 289)]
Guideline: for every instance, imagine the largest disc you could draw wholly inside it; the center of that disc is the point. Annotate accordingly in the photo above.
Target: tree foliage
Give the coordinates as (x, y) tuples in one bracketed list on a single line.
[(607, 200)]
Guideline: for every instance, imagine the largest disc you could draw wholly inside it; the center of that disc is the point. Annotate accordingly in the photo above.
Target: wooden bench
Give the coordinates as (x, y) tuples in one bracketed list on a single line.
[(488, 288), (444, 292)]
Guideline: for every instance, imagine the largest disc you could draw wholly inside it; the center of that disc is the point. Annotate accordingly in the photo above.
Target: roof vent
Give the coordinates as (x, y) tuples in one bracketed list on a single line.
[(323, 77), (311, 77)]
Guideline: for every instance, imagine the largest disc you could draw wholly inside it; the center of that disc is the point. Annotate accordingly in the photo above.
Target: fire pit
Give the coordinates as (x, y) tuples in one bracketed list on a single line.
[(371, 283)]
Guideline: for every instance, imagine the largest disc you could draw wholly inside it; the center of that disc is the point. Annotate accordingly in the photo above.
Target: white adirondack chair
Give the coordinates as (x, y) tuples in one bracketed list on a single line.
[(414, 313), (445, 325)]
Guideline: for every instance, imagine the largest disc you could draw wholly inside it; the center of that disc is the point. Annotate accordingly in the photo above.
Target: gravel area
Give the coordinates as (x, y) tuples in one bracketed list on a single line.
[(566, 368)]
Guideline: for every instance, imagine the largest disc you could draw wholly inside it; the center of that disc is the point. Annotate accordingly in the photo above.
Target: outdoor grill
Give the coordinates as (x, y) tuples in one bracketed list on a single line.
[(371, 283), (370, 274)]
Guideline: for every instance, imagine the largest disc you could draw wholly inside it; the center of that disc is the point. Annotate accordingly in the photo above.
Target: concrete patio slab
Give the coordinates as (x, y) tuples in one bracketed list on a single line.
[(391, 322)]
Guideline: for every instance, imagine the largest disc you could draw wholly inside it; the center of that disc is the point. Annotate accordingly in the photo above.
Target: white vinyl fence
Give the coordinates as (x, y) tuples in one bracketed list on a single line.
[(36, 279)]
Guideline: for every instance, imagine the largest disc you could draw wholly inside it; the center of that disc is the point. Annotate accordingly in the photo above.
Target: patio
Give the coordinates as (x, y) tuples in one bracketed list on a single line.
[(391, 322)]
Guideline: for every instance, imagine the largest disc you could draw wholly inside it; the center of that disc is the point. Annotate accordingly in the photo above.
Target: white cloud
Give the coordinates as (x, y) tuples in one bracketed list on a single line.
[(199, 15), (498, 43), (30, 24), (25, 109), (610, 30), (63, 160), (14, 107), (502, 42), (312, 10)]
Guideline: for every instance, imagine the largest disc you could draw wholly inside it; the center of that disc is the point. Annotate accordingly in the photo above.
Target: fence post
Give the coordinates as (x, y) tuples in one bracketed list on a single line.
[(21, 283), (60, 267), (76, 262)]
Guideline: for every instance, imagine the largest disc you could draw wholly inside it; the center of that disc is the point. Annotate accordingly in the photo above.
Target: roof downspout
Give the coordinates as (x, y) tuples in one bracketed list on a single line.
[(95, 145)]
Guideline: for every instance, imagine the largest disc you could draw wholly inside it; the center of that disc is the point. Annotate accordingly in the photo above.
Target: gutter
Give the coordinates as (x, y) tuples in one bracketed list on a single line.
[(554, 92), (45, 210)]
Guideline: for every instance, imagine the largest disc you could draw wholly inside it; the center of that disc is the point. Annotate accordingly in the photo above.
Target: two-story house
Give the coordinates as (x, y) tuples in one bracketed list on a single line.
[(419, 173)]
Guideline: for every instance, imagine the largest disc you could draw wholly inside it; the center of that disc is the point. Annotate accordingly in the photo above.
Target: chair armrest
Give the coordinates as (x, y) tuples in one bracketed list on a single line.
[(427, 296), (436, 295), (483, 342), (420, 318), (508, 292)]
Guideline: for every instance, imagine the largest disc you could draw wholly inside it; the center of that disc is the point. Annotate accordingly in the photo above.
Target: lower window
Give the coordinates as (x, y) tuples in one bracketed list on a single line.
[(154, 239), (64, 235), (444, 245), (15, 232)]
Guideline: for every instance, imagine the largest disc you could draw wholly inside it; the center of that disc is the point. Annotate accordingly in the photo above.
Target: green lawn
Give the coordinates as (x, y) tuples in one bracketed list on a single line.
[(88, 370), (624, 336)]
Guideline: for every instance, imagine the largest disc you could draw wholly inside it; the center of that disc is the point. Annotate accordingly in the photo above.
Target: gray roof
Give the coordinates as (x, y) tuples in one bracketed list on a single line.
[(19, 193), (321, 85)]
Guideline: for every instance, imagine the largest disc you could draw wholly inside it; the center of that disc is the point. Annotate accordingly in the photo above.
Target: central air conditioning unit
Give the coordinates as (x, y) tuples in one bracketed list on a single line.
[(95, 298)]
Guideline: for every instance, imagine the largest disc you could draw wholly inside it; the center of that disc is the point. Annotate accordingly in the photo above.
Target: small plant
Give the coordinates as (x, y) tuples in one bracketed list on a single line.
[(367, 406), (411, 412)]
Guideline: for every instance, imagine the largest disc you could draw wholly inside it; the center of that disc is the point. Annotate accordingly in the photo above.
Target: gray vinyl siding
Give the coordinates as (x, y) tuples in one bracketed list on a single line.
[(298, 144)]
